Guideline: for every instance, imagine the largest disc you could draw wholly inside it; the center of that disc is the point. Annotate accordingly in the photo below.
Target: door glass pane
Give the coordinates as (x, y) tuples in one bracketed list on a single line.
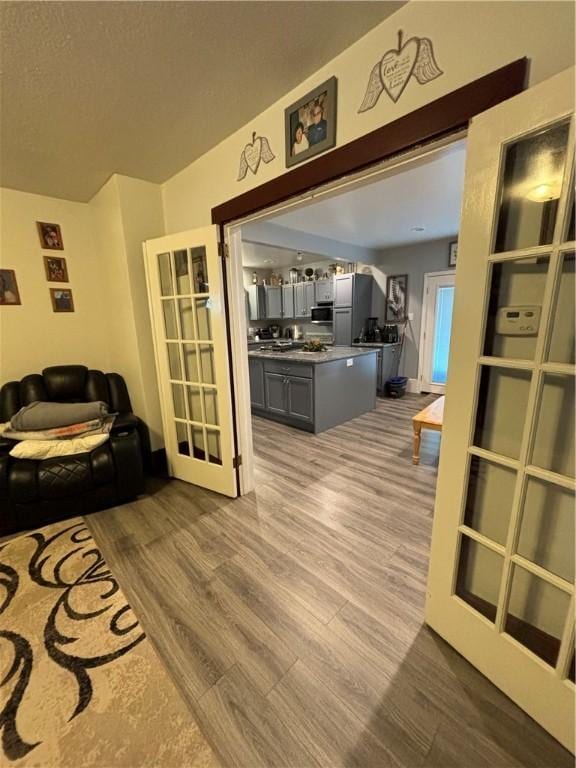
[(178, 398), (199, 270), (501, 410), (536, 614), (174, 361), (194, 404), (207, 357), (198, 450), (547, 528), (191, 362), (443, 319), (516, 293), (562, 340), (169, 319), (186, 319), (571, 232), (533, 170), (211, 405), (572, 669), (554, 440), (479, 573), (203, 319), (182, 439), (489, 499), (181, 269), (165, 270), (214, 452)]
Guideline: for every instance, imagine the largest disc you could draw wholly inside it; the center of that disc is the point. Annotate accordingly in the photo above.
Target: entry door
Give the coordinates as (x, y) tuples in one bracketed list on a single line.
[(436, 327), (501, 581), (186, 296)]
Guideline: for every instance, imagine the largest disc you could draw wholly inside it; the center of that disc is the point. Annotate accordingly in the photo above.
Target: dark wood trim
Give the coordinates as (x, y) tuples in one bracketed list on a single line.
[(441, 117)]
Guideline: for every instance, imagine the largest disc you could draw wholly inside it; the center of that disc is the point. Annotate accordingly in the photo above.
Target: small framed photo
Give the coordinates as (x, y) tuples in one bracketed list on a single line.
[(62, 300), (452, 253), (396, 298), (56, 270), (9, 293), (50, 236), (310, 123)]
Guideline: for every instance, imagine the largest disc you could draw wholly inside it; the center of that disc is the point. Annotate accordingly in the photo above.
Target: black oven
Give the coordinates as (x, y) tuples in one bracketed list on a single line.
[(322, 314)]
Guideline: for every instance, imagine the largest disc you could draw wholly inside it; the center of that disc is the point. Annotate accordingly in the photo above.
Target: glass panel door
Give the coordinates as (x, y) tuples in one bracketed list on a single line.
[(501, 584), (437, 311), (187, 303)]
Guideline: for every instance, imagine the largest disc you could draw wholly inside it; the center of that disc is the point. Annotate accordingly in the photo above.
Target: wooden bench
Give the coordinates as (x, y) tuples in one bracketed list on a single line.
[(430, 417)]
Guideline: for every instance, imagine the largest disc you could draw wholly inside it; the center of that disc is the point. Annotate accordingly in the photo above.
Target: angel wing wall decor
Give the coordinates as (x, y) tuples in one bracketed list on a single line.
[(253, 153), (397, 66)]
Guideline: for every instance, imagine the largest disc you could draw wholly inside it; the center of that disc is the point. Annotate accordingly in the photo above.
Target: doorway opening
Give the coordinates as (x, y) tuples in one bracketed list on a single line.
[(437, 309), (344, 269)]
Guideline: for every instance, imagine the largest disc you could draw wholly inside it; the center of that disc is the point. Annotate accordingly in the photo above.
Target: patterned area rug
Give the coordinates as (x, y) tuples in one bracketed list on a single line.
[(80, 684)]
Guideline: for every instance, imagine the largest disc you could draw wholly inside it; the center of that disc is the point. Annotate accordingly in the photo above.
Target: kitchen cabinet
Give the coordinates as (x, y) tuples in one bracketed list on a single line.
[(299, 398), (343, 287), (315, 394), (342, 326), (256, 302), (275, 387), (323, 291), (303, 299), (354, 293), (273, 295), (288, 301), (388, 361), (256, 370)]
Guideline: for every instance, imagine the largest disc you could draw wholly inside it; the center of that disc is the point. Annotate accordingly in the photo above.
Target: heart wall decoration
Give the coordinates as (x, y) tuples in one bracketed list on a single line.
[(391, 74), (255, 151)]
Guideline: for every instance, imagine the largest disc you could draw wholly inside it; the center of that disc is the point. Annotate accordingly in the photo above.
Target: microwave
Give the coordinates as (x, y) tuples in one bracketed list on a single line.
[(322, 314)]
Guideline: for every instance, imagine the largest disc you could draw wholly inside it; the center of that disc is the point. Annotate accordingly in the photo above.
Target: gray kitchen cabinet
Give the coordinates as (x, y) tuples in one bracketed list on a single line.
[(299, 398), (256, 302), (288, 301), (275, 392), (303, 299), (342, 326), (343, 288), (390, 361), (273, 294), (324, 291), (256, 370)]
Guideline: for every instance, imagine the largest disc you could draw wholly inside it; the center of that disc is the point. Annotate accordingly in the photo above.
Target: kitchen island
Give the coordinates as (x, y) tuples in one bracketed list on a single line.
[(313, 391)]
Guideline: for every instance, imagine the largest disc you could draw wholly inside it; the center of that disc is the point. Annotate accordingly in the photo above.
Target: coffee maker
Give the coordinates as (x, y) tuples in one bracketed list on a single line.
[(390, 333)]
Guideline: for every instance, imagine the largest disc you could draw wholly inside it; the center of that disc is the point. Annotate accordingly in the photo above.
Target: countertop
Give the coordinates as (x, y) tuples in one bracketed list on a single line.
[(297, 356), (375, 344)]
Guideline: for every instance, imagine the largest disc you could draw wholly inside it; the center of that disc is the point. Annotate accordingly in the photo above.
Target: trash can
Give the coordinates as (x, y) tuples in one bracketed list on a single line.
[(396, 386)]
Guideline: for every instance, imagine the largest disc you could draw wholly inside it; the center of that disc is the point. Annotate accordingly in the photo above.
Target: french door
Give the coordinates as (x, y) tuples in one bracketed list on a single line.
[(501, 581), (436, 328), (186, 297)]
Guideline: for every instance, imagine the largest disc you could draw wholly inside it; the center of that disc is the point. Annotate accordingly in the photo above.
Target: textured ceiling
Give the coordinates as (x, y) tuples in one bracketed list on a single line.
[(144, 88)]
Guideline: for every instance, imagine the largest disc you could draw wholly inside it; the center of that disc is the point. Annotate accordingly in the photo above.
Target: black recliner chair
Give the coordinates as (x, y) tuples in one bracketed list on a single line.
[(33, 493)]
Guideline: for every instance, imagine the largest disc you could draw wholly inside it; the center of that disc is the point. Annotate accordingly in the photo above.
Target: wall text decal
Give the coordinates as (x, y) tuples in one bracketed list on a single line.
[(396, 67)]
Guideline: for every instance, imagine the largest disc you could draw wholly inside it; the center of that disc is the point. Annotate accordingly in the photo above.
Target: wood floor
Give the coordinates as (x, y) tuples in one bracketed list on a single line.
[(291, 619)]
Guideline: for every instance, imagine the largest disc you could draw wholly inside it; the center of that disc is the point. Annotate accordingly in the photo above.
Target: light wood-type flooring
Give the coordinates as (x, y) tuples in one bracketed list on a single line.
[(291, 619)]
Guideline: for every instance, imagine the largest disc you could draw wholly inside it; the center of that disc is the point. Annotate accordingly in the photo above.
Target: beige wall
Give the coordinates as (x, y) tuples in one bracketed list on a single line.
[(470, 39), (32, 336)]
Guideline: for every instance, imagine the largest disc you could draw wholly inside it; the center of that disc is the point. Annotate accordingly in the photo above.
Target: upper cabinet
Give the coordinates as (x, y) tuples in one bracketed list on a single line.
[(343, 290), (256, 302), (324, 290), (287, 301), (273, 294), (303, 299)]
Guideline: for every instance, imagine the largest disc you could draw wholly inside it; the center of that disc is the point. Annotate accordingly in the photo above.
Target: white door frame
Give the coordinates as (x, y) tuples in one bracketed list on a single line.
[(236, 296), (426, 307)]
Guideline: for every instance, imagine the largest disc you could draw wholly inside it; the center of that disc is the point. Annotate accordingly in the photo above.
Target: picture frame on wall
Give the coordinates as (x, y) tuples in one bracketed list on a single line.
[(9, 293), (397, 299), (56, 269), (50, 236), (310, 123), (62, 300), (452, 253)]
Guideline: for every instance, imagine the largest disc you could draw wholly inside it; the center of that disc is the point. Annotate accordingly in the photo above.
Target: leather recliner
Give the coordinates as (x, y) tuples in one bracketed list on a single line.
[(33, 493)]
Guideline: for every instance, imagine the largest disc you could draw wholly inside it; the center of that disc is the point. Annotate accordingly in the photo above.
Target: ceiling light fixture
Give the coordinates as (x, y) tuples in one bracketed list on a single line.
[(298, 255), (417, 229)]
